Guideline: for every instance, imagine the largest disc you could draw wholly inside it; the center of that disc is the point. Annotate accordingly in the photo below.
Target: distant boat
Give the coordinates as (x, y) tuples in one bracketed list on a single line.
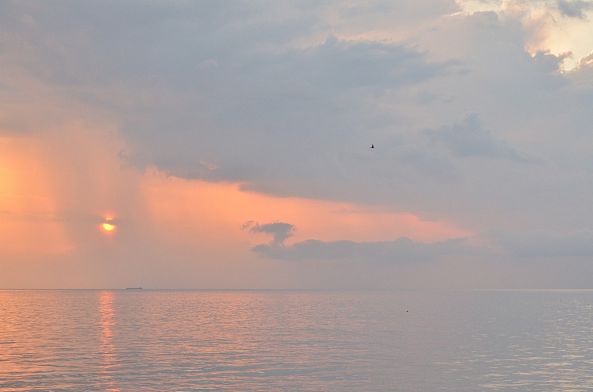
[(133, 288)]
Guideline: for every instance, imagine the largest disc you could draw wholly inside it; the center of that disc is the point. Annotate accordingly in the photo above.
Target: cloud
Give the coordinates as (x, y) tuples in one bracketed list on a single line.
[(559, 27), (298, 102), (287, 105), (402, 250), (280, 231), (549, 244), (470, 139), (574, 8), (173, 95)]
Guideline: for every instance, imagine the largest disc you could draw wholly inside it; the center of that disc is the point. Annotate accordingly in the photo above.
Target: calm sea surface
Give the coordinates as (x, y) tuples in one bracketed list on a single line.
[(295, 341)]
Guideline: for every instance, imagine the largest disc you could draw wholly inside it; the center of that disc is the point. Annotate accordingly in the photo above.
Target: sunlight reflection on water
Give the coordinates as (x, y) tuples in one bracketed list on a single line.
[(295, 340)]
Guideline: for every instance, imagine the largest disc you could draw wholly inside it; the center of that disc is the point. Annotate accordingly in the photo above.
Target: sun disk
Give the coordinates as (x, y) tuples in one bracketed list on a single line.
[(108, 227)]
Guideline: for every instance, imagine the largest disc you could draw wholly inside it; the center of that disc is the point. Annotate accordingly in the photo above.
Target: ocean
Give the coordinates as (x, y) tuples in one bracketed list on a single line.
[(127, 340)]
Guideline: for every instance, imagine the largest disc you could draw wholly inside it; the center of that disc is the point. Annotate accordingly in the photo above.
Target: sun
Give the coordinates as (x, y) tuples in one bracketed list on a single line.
[(108, 226)]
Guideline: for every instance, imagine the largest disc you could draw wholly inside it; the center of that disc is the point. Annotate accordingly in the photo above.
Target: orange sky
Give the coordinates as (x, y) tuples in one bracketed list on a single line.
[(57, 189)]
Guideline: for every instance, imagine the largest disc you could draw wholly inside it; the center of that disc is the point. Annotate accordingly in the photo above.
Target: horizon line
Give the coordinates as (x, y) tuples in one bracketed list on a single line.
[(139, 289)]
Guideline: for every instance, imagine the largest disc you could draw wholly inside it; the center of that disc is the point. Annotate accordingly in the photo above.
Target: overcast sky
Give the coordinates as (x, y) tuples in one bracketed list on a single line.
[(227, 142)]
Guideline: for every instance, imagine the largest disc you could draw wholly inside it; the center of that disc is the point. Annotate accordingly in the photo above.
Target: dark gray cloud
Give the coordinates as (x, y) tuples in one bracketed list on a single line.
[(297, 108), (574, 8), (402, 250), (220, 83), (470, 139), (549, 244), (280, 231)]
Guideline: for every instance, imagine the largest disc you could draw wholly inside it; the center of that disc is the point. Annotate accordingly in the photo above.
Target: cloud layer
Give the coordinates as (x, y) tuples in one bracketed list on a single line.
[(402, 250)]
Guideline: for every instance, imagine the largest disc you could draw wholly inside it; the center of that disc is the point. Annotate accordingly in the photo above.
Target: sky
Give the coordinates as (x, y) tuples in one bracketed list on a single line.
[(208, 144)]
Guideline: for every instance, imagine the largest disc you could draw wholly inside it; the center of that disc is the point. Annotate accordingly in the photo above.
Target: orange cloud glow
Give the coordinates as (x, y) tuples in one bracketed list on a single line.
[(29, 222), (190, 208)]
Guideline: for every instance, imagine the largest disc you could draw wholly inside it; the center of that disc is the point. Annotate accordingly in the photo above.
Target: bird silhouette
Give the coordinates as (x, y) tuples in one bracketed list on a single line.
[(372, 146)]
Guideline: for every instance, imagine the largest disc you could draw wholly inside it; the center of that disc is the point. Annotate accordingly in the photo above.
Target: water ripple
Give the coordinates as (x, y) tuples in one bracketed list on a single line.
[(295, 341)]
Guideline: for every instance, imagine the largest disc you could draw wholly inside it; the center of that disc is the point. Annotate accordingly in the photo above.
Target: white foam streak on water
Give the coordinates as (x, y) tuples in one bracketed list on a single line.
[(295, 341)]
